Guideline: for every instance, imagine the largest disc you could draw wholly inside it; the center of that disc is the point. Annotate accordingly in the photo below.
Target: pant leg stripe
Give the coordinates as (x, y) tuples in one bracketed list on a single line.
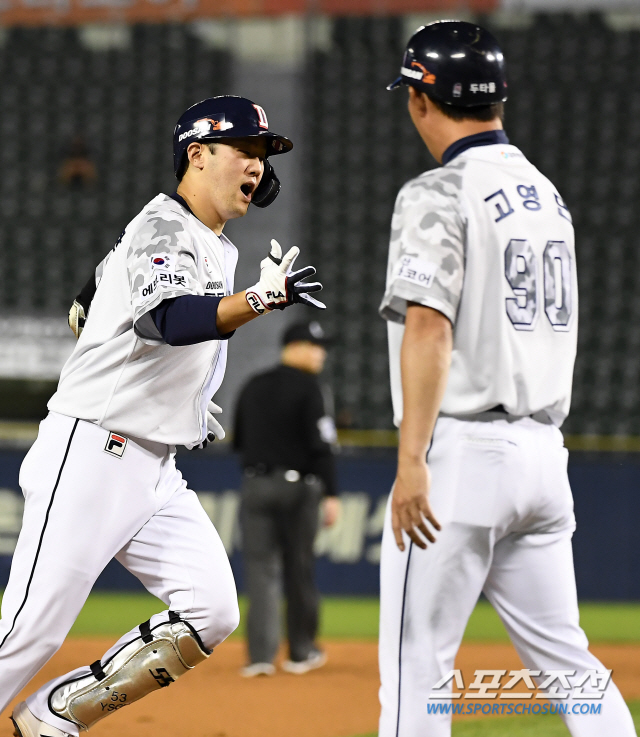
[(404, 600), (44, 527)]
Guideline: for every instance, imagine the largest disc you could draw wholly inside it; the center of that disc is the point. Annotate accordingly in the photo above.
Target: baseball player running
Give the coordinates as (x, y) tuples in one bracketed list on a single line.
[(101, 480), (482, 310)]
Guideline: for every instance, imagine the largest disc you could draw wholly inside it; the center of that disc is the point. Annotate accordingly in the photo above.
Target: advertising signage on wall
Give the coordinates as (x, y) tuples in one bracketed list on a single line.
[(72, 12), (348, 555)]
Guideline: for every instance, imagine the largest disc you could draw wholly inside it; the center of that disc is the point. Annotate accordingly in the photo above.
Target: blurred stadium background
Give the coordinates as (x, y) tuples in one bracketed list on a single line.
[(103, 82)]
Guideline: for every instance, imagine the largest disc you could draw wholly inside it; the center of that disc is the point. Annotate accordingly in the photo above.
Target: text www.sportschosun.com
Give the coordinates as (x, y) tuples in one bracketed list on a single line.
[(513, 709)]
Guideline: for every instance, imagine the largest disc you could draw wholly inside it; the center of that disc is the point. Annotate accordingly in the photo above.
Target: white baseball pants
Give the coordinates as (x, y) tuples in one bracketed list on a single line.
[(84, 506), (501, 492)]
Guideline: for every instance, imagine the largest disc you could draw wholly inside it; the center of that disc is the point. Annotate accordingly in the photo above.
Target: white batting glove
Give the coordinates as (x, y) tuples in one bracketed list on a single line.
[(76, 318), (215, 431), (279, 287)]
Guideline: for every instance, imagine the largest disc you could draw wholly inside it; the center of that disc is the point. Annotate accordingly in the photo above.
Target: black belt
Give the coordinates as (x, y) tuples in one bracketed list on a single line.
[(540, 416), (501, 410), (290, 474), (264, 469)]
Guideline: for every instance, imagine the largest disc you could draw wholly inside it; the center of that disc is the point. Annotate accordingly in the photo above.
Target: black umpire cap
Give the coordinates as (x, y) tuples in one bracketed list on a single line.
[(309, 332), (456, 63)]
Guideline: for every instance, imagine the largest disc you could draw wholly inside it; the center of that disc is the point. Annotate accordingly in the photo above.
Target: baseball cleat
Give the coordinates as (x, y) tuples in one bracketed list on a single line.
[(27, 725), (315, 659), (258, 669)]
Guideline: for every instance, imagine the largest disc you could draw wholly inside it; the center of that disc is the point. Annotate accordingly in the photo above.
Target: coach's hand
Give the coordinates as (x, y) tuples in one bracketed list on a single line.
[(330, 511), (410, 509), (279, 287)]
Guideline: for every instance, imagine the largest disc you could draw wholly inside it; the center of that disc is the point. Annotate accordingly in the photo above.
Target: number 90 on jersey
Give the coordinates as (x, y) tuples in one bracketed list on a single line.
[(521, 271)]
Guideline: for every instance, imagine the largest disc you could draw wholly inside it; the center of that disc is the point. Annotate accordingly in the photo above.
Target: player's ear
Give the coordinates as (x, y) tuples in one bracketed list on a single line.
[(195, 154), (418, 101)]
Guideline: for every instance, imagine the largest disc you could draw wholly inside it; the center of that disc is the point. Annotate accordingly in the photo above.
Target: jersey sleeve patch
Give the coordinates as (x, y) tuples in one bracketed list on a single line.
[(162, 263), (416, 271), (426, 250)]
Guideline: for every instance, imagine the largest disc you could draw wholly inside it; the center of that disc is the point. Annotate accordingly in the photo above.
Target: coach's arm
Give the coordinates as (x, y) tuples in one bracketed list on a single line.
[(424, 360)]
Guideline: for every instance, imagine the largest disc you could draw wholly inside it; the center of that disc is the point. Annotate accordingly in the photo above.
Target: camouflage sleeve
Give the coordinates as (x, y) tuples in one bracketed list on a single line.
[(162, 263), (426, 250), (100, 268)]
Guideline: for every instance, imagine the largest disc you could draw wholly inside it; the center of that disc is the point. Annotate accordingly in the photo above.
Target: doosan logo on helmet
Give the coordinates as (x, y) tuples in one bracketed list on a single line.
[(205, 127), (188, 134)]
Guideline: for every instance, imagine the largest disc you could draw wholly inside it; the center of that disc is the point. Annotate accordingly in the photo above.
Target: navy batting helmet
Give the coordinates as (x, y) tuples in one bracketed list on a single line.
[(456, 63), (228, 116)]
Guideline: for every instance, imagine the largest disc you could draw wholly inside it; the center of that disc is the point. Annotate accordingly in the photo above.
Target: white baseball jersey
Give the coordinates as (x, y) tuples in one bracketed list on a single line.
[(488, 241), (122, 375)]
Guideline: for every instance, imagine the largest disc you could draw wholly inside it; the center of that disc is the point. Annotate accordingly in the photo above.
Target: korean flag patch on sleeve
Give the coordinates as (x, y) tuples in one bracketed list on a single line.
[(162, 262)]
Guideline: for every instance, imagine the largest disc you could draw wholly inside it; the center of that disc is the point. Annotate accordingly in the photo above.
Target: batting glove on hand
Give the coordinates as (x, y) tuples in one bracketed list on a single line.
[(280, 287), (77, 318), (80, 308), (215, 431)]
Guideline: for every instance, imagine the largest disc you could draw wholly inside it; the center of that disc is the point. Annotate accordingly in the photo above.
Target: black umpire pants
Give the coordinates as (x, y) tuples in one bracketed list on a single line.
[(279, 520)]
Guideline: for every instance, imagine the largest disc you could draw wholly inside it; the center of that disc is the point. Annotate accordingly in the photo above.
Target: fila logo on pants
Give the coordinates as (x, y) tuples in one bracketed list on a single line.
[(115, 445)]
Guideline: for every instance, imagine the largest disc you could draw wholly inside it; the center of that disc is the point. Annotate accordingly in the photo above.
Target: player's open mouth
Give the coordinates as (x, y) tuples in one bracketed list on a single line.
[(247, 190)]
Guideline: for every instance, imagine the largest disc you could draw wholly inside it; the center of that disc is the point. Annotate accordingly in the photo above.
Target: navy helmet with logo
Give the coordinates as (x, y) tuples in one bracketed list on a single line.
[(456, 63), (228, 116)]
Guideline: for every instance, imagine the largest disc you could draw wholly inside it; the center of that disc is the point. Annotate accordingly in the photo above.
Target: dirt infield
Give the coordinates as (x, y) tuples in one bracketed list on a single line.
[(338, 701)]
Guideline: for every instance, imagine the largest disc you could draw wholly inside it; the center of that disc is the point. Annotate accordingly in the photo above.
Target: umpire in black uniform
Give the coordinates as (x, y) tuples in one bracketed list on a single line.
[(285, 436)]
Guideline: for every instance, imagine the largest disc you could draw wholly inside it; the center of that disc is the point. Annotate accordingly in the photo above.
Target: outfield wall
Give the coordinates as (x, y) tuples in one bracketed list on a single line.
[(606, 543)]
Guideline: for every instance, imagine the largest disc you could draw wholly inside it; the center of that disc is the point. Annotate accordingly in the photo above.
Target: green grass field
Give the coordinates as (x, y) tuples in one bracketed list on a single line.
[(357, 618)]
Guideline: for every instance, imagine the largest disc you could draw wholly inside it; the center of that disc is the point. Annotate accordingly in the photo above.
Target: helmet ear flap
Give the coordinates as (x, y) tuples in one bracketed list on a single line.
[(268, 189), (182, 166)]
